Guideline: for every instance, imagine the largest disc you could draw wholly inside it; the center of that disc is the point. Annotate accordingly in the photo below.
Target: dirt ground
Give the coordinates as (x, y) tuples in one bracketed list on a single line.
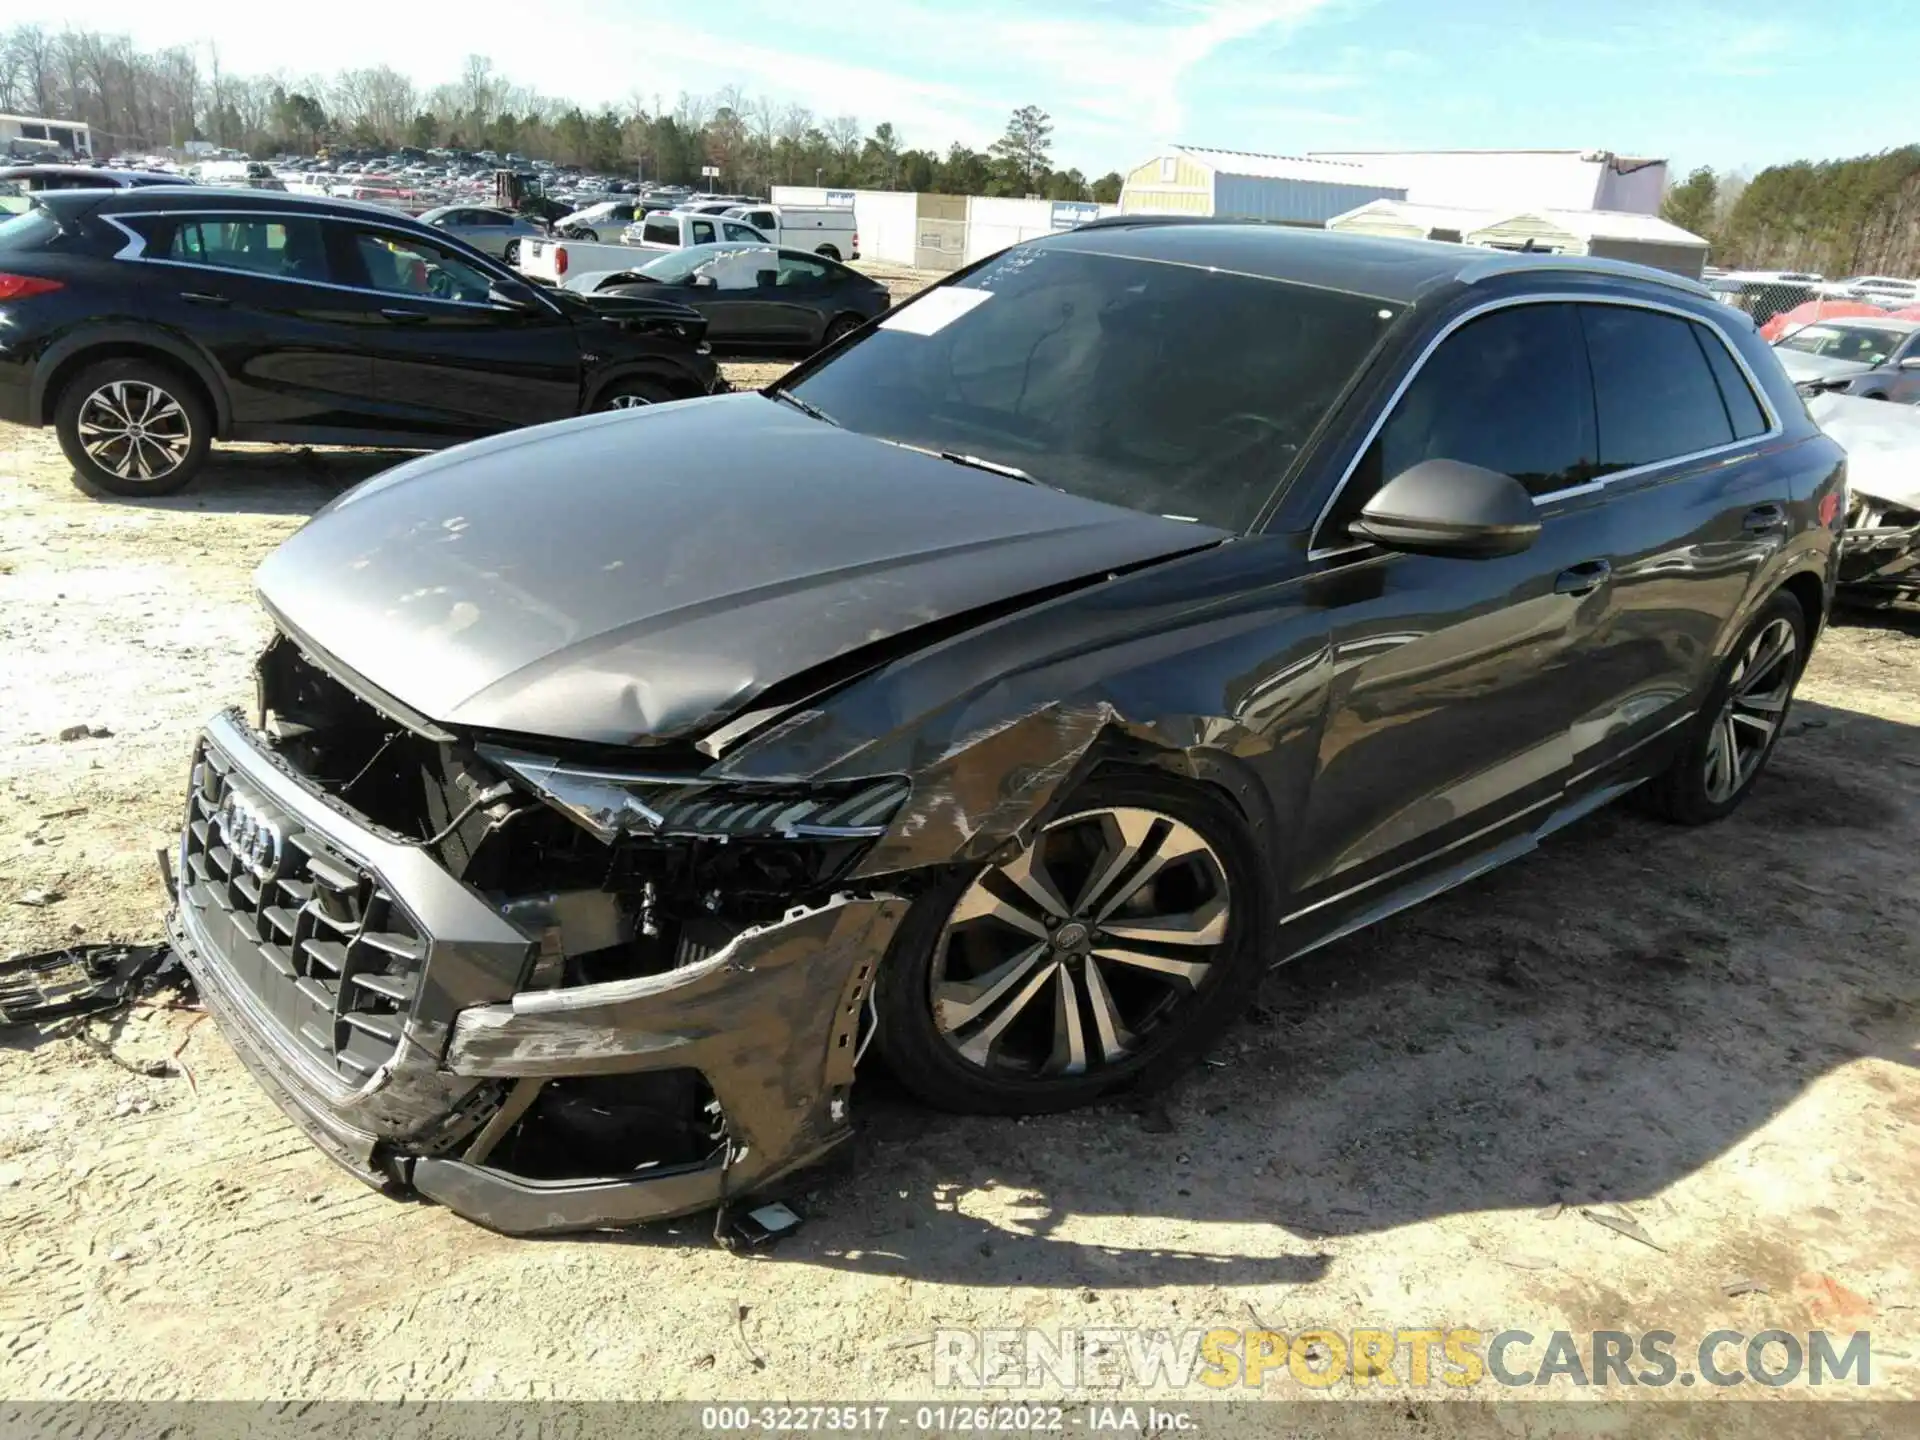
[(1711, 1033)]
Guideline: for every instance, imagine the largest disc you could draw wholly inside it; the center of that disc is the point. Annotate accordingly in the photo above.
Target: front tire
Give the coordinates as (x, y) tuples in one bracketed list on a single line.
[(1730, 742), (632, 395), (1119, 944), (133, 427), (588, 235)]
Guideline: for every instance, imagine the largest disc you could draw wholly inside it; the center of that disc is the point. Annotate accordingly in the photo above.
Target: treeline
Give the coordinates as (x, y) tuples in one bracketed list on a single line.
[(138, 101), (1835, 217)]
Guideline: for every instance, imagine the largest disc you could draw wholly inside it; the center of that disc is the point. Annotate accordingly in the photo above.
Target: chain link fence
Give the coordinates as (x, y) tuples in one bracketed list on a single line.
[(1782, 303)]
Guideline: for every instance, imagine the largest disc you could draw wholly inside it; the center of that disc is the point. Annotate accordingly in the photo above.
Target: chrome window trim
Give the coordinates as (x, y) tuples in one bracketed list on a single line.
[(135, 250), (1775, 427)]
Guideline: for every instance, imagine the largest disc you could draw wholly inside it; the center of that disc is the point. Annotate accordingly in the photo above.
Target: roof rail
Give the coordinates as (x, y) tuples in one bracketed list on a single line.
[(1514, 262)]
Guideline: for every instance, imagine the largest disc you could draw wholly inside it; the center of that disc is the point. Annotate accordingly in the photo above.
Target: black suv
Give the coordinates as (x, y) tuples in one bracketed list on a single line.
[(145, 324)]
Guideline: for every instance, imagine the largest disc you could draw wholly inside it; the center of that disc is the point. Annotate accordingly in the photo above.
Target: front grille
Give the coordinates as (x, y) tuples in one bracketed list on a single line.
[(333, 957)]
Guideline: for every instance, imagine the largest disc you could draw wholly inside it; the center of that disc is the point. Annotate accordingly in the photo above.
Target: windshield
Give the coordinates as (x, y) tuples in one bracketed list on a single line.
[(1167, 388), (1867, 344)]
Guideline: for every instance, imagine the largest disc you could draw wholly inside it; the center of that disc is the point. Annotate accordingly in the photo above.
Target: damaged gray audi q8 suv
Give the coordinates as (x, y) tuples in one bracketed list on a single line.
[(1009, 686)]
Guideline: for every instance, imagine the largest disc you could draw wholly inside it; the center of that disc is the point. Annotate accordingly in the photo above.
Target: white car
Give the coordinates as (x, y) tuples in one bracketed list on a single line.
[(607, 218), (1887, 290)]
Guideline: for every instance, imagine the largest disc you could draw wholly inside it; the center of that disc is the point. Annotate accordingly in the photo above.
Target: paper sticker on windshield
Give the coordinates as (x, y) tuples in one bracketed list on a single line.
[(935, 310)]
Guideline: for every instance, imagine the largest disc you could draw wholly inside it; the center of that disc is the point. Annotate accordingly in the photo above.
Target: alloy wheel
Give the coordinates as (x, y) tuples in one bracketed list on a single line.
[(1755, 705), (1071, 955), (134, 430), (627, 402)]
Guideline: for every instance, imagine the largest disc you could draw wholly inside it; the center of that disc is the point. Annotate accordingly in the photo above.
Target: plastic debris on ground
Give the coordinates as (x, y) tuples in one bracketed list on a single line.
[(77, 980)]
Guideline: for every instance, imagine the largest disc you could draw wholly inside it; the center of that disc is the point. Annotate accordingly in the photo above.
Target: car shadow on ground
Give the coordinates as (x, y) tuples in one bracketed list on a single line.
[(1586, 1026), (294, 480)]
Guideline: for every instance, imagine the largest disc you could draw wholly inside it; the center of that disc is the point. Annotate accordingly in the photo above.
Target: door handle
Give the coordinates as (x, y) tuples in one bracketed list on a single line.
[(1764, 518), (1582, 579), (404, 317), (202, 297)]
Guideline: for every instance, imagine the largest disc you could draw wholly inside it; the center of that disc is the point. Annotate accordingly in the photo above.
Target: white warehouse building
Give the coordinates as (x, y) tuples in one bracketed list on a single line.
[(1242, 185), (1514, 179)]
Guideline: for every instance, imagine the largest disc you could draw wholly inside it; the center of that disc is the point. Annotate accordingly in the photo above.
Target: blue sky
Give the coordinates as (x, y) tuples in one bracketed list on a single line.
[(1718, 84)]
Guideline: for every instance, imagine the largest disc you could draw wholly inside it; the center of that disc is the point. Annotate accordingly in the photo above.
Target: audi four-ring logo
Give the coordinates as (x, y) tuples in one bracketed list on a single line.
[(252, 835)]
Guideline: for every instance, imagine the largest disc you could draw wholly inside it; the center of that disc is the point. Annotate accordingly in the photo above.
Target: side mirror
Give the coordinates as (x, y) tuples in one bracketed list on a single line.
[(1447, 508), (1912, 362), (510, 296)]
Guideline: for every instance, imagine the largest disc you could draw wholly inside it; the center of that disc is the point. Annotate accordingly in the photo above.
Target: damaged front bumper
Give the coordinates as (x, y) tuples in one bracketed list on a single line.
[(1882, 555), (379, 1001)]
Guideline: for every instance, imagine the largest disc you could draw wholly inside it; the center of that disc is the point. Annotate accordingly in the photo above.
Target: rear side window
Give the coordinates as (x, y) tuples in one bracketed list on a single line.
[(1508, 391), (1743, 408), (1654, 392), (661, 230), (703, 232), (286, 250)]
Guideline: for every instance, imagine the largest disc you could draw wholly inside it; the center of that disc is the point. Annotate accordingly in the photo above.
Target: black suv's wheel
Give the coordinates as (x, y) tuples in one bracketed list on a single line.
[(133, 427), (632, 394), (1728, 744), (1124, 938)]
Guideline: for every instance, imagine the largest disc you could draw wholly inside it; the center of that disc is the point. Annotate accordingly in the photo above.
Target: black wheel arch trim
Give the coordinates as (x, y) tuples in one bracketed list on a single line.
[(70, 351)]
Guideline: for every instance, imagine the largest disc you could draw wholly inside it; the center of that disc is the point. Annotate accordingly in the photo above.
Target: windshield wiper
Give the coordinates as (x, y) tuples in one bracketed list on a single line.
[(1012, 472), (805, 407)]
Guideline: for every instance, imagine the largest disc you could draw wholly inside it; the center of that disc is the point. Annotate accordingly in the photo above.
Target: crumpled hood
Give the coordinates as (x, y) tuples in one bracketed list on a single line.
[(641, 575), (1882, 442)]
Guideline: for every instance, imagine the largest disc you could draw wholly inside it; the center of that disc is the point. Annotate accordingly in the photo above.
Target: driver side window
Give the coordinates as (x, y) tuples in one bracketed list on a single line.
[(1509, 391), (412, 267)]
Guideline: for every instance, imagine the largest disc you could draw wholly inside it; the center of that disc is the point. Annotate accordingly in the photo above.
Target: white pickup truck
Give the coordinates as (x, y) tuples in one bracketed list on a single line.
[(553, 261)]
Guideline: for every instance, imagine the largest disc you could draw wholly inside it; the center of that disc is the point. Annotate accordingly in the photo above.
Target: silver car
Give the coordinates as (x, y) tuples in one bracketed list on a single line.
[(498, 232), (1872, 358)]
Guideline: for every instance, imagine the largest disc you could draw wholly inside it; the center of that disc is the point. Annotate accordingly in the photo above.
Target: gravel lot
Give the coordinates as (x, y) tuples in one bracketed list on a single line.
[(1711, 1030)]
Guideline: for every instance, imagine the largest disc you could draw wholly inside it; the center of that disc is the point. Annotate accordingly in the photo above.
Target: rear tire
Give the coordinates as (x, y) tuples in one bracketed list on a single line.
[(1731, 740), (133, 427), (510, 252), (829, 251), (979, 1015), (840, 327)]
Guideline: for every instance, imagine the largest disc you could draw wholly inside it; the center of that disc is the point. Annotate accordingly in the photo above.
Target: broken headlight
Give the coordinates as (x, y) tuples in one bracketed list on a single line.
[(620, 803)]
